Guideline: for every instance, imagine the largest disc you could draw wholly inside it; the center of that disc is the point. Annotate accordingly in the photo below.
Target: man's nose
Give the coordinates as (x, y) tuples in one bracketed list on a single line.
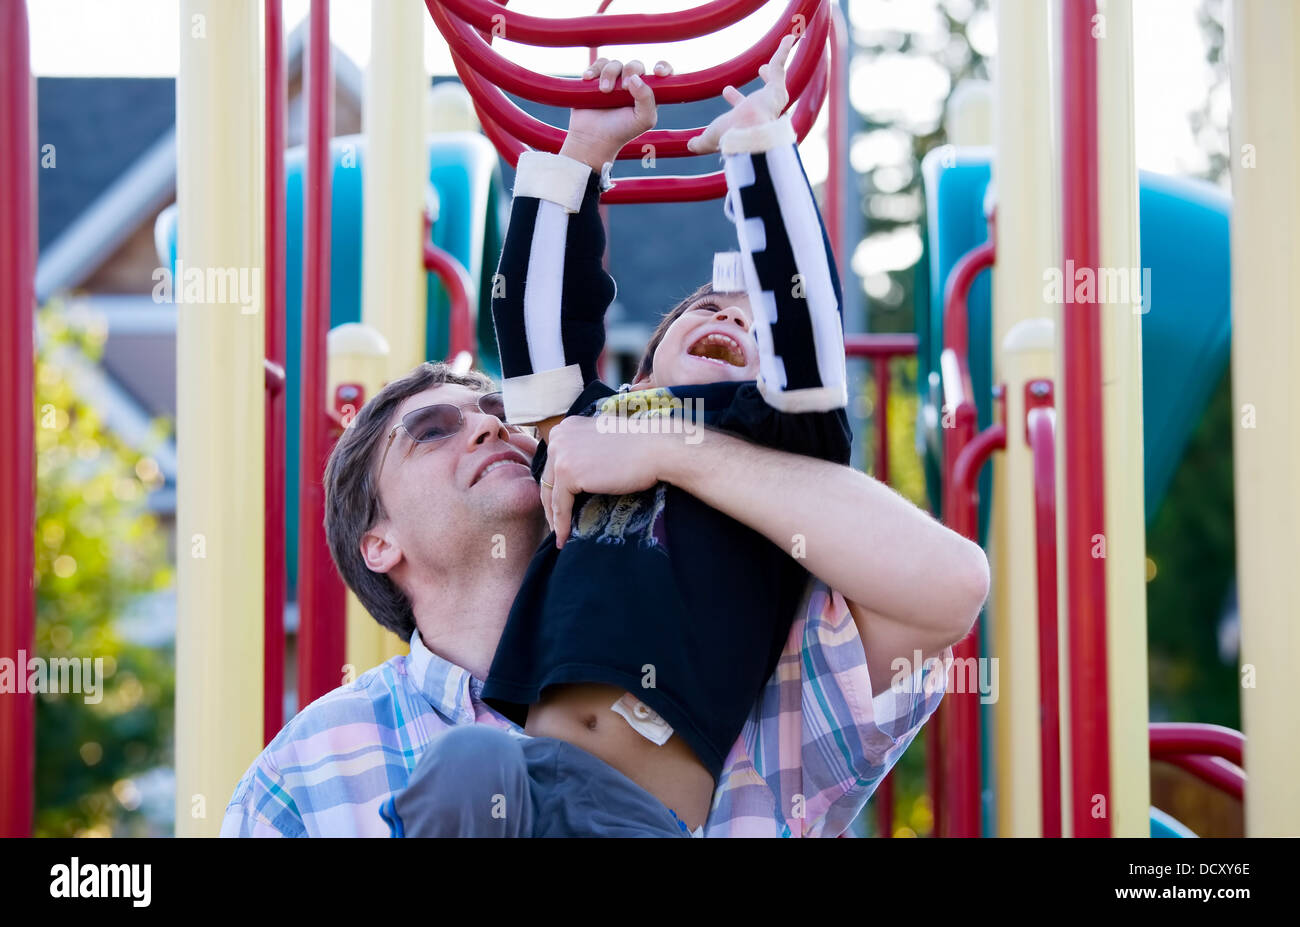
[(481, 426), (733, 314)]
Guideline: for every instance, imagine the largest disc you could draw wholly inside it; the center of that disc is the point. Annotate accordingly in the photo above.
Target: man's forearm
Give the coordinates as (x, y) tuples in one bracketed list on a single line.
[(856, 534)]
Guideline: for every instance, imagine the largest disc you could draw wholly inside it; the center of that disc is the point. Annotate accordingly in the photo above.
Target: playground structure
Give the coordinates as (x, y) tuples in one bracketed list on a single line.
[(1087, 406)]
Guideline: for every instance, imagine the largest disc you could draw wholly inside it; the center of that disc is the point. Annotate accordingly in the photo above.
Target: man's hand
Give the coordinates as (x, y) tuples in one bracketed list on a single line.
[(579, 458), (597, 135), (763, 105)]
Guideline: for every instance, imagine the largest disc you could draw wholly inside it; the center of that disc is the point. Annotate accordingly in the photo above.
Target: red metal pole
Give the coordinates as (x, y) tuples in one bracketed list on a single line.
[(967, 803), (881, 348), (1040, 432), (836, 140), (274, 571), (1084, 487), (958, 716), (875, 346), (321, 634), (882, 419), (17, 380)]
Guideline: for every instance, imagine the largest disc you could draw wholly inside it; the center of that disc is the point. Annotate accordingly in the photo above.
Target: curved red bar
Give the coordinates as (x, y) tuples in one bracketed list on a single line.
[(456, 281), (467, 44), (971, 458), (956, 321), (647, 189), (1211, 771), (602, 30), (805, 70), (1168, 738), (962, 450)]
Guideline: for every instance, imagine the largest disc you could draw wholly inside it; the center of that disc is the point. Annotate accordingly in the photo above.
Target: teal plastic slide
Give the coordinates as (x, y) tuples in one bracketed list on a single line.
[(1186, 325)]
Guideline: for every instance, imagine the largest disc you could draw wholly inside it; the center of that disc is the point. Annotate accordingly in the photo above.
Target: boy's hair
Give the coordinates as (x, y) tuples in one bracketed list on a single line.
[(647, 365), (352, 504)]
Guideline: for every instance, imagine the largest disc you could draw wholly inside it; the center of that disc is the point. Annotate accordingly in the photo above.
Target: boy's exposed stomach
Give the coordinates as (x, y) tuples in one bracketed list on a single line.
[(580, 714)]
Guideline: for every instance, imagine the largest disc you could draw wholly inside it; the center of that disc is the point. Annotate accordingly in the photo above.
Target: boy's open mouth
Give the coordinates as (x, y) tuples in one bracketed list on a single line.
[(720, 348)]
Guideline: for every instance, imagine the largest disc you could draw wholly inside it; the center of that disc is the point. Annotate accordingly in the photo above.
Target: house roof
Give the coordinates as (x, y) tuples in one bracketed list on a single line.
[(99, 128), (111, 168), (115, 161)]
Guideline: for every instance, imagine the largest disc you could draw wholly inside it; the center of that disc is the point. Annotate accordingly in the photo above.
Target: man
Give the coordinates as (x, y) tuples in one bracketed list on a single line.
[(434, 539)]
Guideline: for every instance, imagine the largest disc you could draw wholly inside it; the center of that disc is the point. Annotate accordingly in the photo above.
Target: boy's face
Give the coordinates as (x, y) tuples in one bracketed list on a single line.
[(711, 341)]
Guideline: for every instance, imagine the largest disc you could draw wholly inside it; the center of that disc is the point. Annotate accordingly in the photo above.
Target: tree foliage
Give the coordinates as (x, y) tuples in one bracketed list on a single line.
[(97, 550)]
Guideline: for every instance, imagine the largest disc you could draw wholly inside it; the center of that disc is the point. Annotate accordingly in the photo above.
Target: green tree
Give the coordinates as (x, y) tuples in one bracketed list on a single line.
[(97, 549)]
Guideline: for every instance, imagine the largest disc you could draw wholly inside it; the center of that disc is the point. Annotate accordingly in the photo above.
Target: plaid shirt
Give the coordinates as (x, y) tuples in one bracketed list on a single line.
[(811, 753)]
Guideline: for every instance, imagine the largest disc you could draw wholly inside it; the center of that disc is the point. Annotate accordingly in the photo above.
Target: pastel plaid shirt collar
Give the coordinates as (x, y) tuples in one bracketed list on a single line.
[(811, 753)]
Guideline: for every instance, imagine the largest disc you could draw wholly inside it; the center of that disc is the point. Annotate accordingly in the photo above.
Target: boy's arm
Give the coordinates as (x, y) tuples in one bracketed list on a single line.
[(789, 269), (551, 290)]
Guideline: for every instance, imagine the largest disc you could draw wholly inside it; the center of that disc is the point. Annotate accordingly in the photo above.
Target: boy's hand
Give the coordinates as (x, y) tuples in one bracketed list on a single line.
[(763, 105), (597, 135)]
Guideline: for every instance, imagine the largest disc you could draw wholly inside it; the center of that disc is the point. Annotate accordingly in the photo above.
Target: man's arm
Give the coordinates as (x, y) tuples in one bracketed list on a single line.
[(911, 583)]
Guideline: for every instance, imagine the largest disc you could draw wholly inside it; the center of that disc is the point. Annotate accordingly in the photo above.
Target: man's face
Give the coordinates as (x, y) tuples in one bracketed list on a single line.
[(442, 495)]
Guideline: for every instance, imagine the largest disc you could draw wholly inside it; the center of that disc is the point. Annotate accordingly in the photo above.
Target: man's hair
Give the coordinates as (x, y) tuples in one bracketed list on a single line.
[(647, 365), (352, 504)]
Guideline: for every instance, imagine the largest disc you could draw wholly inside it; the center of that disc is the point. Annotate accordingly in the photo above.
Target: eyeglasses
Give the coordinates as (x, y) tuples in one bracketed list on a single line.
[(433, 423)]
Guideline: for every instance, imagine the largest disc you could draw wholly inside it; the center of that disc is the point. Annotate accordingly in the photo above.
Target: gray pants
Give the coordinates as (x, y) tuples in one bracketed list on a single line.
[(479, 781)]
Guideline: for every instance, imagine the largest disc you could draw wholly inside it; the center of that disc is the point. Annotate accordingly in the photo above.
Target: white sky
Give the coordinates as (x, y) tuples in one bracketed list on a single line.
[(139, 38)]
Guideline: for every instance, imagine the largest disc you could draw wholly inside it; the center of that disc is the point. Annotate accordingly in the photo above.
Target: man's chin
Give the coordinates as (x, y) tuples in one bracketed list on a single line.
[(504, 490)]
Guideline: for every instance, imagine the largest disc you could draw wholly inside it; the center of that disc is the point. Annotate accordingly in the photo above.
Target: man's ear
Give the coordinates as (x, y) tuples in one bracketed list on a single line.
[(379, 551)]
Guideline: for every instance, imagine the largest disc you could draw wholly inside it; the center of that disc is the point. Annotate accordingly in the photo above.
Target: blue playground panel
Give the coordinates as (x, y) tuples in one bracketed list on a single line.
[(1165, 825), (465, 173), (1186, 332)]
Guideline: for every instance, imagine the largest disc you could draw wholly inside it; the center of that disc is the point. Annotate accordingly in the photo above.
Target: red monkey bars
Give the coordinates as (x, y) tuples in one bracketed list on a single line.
[(486, 74)]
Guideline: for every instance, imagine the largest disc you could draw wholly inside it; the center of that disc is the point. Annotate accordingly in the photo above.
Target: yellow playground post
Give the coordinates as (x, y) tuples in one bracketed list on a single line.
[(1121, 391), (220, 385), (1028, 222), (1265, 135), (396, 177)]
